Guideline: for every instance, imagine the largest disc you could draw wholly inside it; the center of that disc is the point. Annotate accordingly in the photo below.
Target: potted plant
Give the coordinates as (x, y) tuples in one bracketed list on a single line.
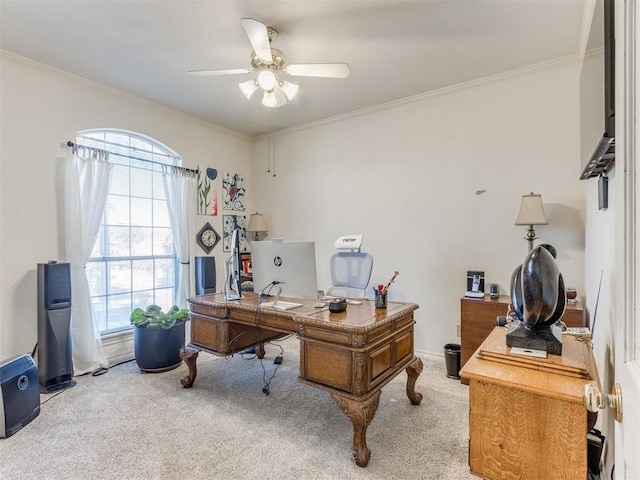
[(158, 337)]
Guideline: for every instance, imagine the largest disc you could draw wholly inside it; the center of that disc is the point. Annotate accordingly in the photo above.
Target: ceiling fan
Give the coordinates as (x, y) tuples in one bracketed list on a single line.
[(269, 64)]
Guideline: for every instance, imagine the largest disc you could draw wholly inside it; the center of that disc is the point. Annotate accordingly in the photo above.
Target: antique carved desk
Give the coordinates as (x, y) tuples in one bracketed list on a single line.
[(351, 354)]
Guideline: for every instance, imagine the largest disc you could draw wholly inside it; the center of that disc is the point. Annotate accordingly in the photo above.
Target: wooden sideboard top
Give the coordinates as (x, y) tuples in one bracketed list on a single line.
[(506, 300), (544, 376)]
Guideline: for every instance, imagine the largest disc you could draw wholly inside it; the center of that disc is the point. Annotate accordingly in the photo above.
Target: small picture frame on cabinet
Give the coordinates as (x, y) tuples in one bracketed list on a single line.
[(475, 281)]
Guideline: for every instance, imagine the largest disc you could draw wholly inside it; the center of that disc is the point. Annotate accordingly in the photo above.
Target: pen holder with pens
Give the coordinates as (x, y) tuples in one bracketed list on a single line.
[(381, 299)]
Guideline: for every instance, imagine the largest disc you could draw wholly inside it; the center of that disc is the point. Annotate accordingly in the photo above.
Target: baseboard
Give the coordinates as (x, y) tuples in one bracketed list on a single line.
[(430, 356), (118, 347)]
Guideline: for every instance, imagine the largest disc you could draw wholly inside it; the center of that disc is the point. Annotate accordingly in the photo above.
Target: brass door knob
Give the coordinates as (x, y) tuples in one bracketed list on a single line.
[(595, 400)]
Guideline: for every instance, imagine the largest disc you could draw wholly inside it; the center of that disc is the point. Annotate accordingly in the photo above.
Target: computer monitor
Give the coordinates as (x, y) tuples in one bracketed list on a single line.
[(293, 264), (232, 290)]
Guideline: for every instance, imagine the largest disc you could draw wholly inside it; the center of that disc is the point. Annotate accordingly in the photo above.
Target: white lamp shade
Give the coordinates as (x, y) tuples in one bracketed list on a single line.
[(289, 89), (248, 88), (281, 98), (531, 211), (269, 99), (257, 223)]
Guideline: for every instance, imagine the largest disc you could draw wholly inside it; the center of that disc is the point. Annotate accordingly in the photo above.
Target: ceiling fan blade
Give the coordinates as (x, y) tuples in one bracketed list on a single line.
[(259, 38), (327, 70), (210, 73)]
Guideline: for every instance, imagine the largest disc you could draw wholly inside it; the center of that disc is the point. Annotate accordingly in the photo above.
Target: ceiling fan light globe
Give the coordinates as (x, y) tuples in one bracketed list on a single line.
[(248, 88), (289, 89), (267, 80), (269, 99)]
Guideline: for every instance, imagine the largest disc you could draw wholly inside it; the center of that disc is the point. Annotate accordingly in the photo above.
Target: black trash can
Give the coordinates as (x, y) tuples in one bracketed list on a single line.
[(452, 360)]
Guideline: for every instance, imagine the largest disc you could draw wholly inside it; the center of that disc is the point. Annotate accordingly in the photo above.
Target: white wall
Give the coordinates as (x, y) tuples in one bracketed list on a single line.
[(41, 109), (601, 280), (408, 177), (405, 176), (600, 224)]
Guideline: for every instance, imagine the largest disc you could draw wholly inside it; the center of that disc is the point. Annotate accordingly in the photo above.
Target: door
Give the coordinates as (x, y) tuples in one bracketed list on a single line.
[(627, 325)]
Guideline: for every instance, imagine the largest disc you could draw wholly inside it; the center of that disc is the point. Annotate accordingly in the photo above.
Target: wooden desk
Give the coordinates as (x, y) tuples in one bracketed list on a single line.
[(351, 354), (478, 319), (526, 416)]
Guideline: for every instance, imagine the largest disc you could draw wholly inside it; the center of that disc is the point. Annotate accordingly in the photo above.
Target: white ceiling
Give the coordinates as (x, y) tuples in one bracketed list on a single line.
[(395, 48)]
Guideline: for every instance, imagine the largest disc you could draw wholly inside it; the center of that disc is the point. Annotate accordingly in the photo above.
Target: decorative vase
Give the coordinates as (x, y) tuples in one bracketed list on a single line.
[(157, 350)]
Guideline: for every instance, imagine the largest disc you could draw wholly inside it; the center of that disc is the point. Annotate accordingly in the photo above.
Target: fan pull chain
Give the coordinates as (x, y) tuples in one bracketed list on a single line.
[(274, 157), (269, 155)]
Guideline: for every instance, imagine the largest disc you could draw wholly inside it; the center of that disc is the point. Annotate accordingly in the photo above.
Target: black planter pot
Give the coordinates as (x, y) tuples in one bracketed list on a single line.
[(158, 350)]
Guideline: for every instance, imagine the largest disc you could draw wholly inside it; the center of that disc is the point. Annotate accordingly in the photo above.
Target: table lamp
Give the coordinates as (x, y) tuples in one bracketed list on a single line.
[(531, 213), (257, 225)]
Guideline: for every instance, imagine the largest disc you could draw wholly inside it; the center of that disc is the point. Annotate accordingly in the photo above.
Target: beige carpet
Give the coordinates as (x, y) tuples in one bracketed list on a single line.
[(129, 425)]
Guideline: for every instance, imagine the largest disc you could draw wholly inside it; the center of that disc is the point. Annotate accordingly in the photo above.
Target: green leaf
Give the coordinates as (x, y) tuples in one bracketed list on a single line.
[(154, 317)]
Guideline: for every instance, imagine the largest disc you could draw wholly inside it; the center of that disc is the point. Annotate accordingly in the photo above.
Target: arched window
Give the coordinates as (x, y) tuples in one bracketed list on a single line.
[(133, 262)]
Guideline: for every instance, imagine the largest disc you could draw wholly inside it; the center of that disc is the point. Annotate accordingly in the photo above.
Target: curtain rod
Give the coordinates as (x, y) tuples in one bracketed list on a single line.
[(127, 147), (183, 169)]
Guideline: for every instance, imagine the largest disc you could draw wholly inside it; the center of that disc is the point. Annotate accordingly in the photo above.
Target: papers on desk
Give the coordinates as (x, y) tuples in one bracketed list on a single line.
[(280, 305)]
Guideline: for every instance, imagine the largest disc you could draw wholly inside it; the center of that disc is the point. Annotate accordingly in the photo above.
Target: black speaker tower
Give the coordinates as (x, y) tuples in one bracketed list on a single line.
[(55, 368)]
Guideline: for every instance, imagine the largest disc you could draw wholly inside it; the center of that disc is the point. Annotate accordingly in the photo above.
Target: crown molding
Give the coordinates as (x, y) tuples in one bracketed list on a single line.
[(540, 67), (569, 60)]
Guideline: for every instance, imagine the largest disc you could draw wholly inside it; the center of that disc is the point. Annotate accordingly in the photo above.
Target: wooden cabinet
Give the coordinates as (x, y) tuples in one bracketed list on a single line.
[(478, 318), (526, 416)]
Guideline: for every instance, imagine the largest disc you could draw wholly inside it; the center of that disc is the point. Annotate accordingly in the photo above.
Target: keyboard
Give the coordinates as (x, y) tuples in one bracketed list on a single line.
[(281, 305)]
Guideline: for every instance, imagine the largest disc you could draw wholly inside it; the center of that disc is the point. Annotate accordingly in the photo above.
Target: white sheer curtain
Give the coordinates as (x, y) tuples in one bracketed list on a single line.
[(86, 184), (180, 192)]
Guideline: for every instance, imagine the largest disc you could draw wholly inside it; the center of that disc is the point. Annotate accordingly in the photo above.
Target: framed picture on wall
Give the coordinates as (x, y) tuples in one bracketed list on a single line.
[(233, 191), (231, 223), (207, 191)]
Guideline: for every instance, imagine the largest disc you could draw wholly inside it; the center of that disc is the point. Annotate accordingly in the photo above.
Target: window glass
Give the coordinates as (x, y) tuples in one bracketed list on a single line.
[(133, 262)]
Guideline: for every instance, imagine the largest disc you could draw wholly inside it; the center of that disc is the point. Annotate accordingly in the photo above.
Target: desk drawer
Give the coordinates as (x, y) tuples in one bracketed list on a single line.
[(353, 370), (225, 337), (383, 361)]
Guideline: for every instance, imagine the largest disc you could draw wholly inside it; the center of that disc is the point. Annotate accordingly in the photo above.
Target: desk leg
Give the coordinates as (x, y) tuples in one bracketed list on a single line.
[(413, 371), (189, 355), (360, 413), (260, 350)]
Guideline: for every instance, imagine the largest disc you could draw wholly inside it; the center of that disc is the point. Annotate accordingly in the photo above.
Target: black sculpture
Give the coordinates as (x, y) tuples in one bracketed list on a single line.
[(539, 300)]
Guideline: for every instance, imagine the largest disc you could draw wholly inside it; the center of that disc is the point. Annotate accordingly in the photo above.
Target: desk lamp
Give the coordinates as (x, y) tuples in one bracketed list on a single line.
[(531, 213), (257, 225)]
